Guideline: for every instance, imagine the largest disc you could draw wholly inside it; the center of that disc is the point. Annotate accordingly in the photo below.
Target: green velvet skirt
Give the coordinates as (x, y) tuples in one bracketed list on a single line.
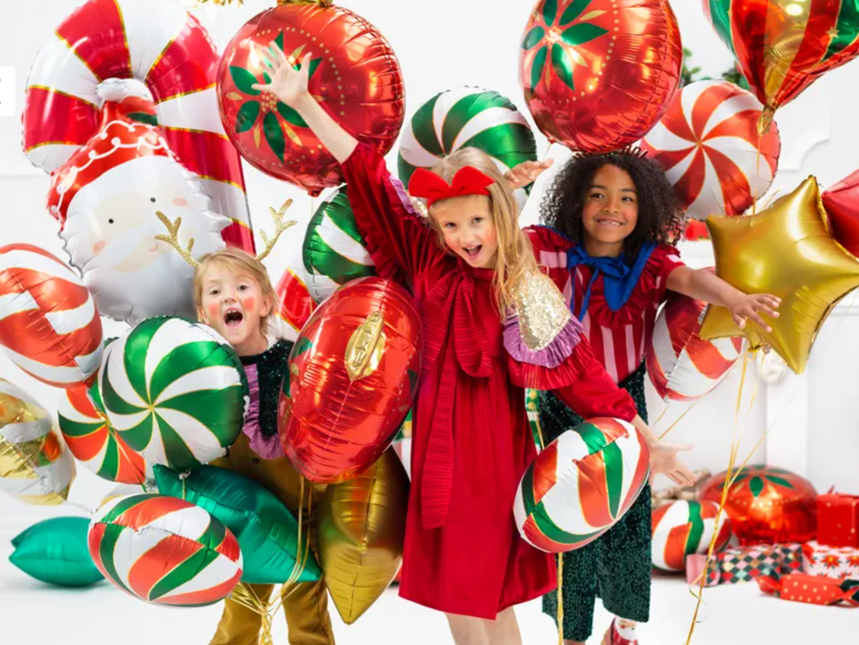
[(617, 566)]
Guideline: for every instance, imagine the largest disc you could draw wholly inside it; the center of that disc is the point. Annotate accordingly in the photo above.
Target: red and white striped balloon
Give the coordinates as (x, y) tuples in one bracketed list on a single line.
[(49, 325), (158, 43), (296, 302), (683, 528), (709, 146), (681, 365)]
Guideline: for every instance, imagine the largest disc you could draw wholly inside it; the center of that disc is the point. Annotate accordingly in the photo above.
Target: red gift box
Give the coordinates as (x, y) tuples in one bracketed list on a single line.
[(838, 520)]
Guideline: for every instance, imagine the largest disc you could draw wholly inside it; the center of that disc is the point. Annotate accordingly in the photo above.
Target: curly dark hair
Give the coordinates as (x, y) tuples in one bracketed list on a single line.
[(660, 218)]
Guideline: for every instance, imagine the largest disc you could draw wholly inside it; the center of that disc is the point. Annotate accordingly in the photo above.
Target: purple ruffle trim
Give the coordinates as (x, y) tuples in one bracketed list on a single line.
[(555, 353), (265, 447)]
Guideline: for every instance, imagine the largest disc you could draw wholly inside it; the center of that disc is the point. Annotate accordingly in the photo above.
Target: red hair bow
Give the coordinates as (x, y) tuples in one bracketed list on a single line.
[(467, 181)]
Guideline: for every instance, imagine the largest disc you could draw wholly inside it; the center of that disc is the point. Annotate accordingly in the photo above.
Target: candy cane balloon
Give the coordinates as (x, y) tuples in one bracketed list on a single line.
[(161, 45)]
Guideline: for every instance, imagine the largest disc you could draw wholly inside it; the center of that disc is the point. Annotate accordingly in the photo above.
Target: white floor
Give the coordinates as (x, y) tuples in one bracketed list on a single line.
[(34, 614)]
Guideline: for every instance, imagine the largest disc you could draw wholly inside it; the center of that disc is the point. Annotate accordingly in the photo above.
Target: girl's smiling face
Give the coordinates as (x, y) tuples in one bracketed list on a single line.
[(234, 305), (610, 213), (468, 230)]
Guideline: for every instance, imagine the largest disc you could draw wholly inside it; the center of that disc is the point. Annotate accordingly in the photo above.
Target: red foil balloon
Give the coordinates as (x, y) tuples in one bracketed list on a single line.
[(783, 46), (353, 373), (598, 74), (767, 505), (354, 74), (842, 206)]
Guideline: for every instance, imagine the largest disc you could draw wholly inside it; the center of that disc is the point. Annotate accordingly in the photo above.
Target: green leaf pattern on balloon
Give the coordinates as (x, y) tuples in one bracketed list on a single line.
[(559, 40), (759, 477), (266, 106)]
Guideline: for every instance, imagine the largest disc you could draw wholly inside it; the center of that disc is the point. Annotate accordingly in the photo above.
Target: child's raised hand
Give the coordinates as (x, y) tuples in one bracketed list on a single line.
[(750, 306), (288, 84), (525, 173), (663, 459)]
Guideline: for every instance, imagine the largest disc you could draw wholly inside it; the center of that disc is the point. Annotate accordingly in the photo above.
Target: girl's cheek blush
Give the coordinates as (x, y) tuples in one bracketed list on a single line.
[(214, 310), (249, 304)]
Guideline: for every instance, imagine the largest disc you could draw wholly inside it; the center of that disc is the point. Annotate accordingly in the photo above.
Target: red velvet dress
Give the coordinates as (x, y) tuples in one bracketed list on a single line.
[(471, 439)]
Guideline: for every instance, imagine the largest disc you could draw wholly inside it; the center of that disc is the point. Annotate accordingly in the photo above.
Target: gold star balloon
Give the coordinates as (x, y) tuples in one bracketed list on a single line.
[(785, 250)]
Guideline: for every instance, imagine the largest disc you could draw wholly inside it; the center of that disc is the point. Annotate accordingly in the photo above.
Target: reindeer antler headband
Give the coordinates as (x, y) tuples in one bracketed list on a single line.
[(173, 229)]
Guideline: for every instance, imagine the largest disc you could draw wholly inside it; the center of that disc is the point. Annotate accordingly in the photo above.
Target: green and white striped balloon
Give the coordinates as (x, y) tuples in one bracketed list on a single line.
[(462, 118), (333, 251), (175, 391)]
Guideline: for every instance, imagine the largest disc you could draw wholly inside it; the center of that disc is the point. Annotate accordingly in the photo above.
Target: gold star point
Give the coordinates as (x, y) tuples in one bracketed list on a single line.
[(787, 251)]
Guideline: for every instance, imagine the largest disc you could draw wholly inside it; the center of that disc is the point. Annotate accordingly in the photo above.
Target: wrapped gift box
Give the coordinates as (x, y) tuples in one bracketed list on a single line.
[(830, 561), (838, 520), (742, 564)]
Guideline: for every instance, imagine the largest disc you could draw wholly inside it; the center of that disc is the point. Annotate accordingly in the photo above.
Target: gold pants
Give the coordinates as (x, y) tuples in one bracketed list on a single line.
[(306, 607)]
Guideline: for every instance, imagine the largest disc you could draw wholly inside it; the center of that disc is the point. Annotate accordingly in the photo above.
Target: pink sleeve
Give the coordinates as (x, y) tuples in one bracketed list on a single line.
[(397, 237)]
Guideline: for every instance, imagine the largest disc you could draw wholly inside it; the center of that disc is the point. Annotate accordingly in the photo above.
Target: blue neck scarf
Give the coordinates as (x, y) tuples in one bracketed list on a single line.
[(618, 277)]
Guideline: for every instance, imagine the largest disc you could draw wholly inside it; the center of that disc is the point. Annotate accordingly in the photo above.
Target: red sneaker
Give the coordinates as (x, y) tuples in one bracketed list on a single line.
[(613, 636)]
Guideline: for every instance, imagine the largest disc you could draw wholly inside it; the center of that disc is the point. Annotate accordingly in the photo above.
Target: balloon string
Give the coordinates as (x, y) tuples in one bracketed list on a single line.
[(679, 419), (560, 599), (664, 411)]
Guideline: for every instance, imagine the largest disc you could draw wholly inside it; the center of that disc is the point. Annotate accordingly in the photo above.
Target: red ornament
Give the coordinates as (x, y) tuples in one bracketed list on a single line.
[(842, 206), (767, 505), (352, 375), (598, 74), (354, 74)]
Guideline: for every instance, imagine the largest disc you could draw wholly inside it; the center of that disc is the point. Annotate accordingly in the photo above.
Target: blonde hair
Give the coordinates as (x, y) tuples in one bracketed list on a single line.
[(515, 259), (237, 261)]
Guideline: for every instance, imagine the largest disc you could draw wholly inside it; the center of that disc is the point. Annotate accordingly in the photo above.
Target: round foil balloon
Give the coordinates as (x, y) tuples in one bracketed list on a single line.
[(783, 46), (267, 532), (362, 526), (681, 365), (175, 391), (108, 196), (767, 505), (49, 325), (353, 73), (353, 373), (709, 145), (161, 45), (94, 442), (581, 484), (35, 466), (334, 250), (684, 528), (164, 550), (462, 118), (598, 74)]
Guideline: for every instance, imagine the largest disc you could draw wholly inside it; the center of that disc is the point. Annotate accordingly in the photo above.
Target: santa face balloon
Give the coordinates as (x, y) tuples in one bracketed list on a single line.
[(108, 195)]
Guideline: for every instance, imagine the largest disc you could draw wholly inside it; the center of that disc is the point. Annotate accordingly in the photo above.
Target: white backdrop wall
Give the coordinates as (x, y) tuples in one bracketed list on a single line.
[(813, 421)]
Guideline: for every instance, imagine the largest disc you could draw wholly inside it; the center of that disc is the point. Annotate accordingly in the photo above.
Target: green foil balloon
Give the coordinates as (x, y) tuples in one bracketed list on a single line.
[(267, 532), (55, 552), (334, 251)]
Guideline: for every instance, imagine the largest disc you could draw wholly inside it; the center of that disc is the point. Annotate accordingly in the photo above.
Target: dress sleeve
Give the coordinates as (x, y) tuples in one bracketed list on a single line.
[(668, 259), (550, 250), (397, 237), (547, 350)]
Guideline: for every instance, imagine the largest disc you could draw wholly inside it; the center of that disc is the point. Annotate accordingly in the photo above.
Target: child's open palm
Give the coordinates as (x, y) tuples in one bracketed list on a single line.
[(663, 459), (288, 82), (751, 306)]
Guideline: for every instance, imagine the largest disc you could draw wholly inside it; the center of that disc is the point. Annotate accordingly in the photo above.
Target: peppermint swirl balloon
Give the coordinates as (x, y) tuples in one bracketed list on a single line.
[(175, 391), (334, 250), (466, 117), (94, 442), (684, 528), (165, 551), (581, 485)]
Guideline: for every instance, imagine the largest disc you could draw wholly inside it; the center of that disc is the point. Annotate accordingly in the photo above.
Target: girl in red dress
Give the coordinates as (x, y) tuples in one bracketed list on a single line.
[(466, 262)]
